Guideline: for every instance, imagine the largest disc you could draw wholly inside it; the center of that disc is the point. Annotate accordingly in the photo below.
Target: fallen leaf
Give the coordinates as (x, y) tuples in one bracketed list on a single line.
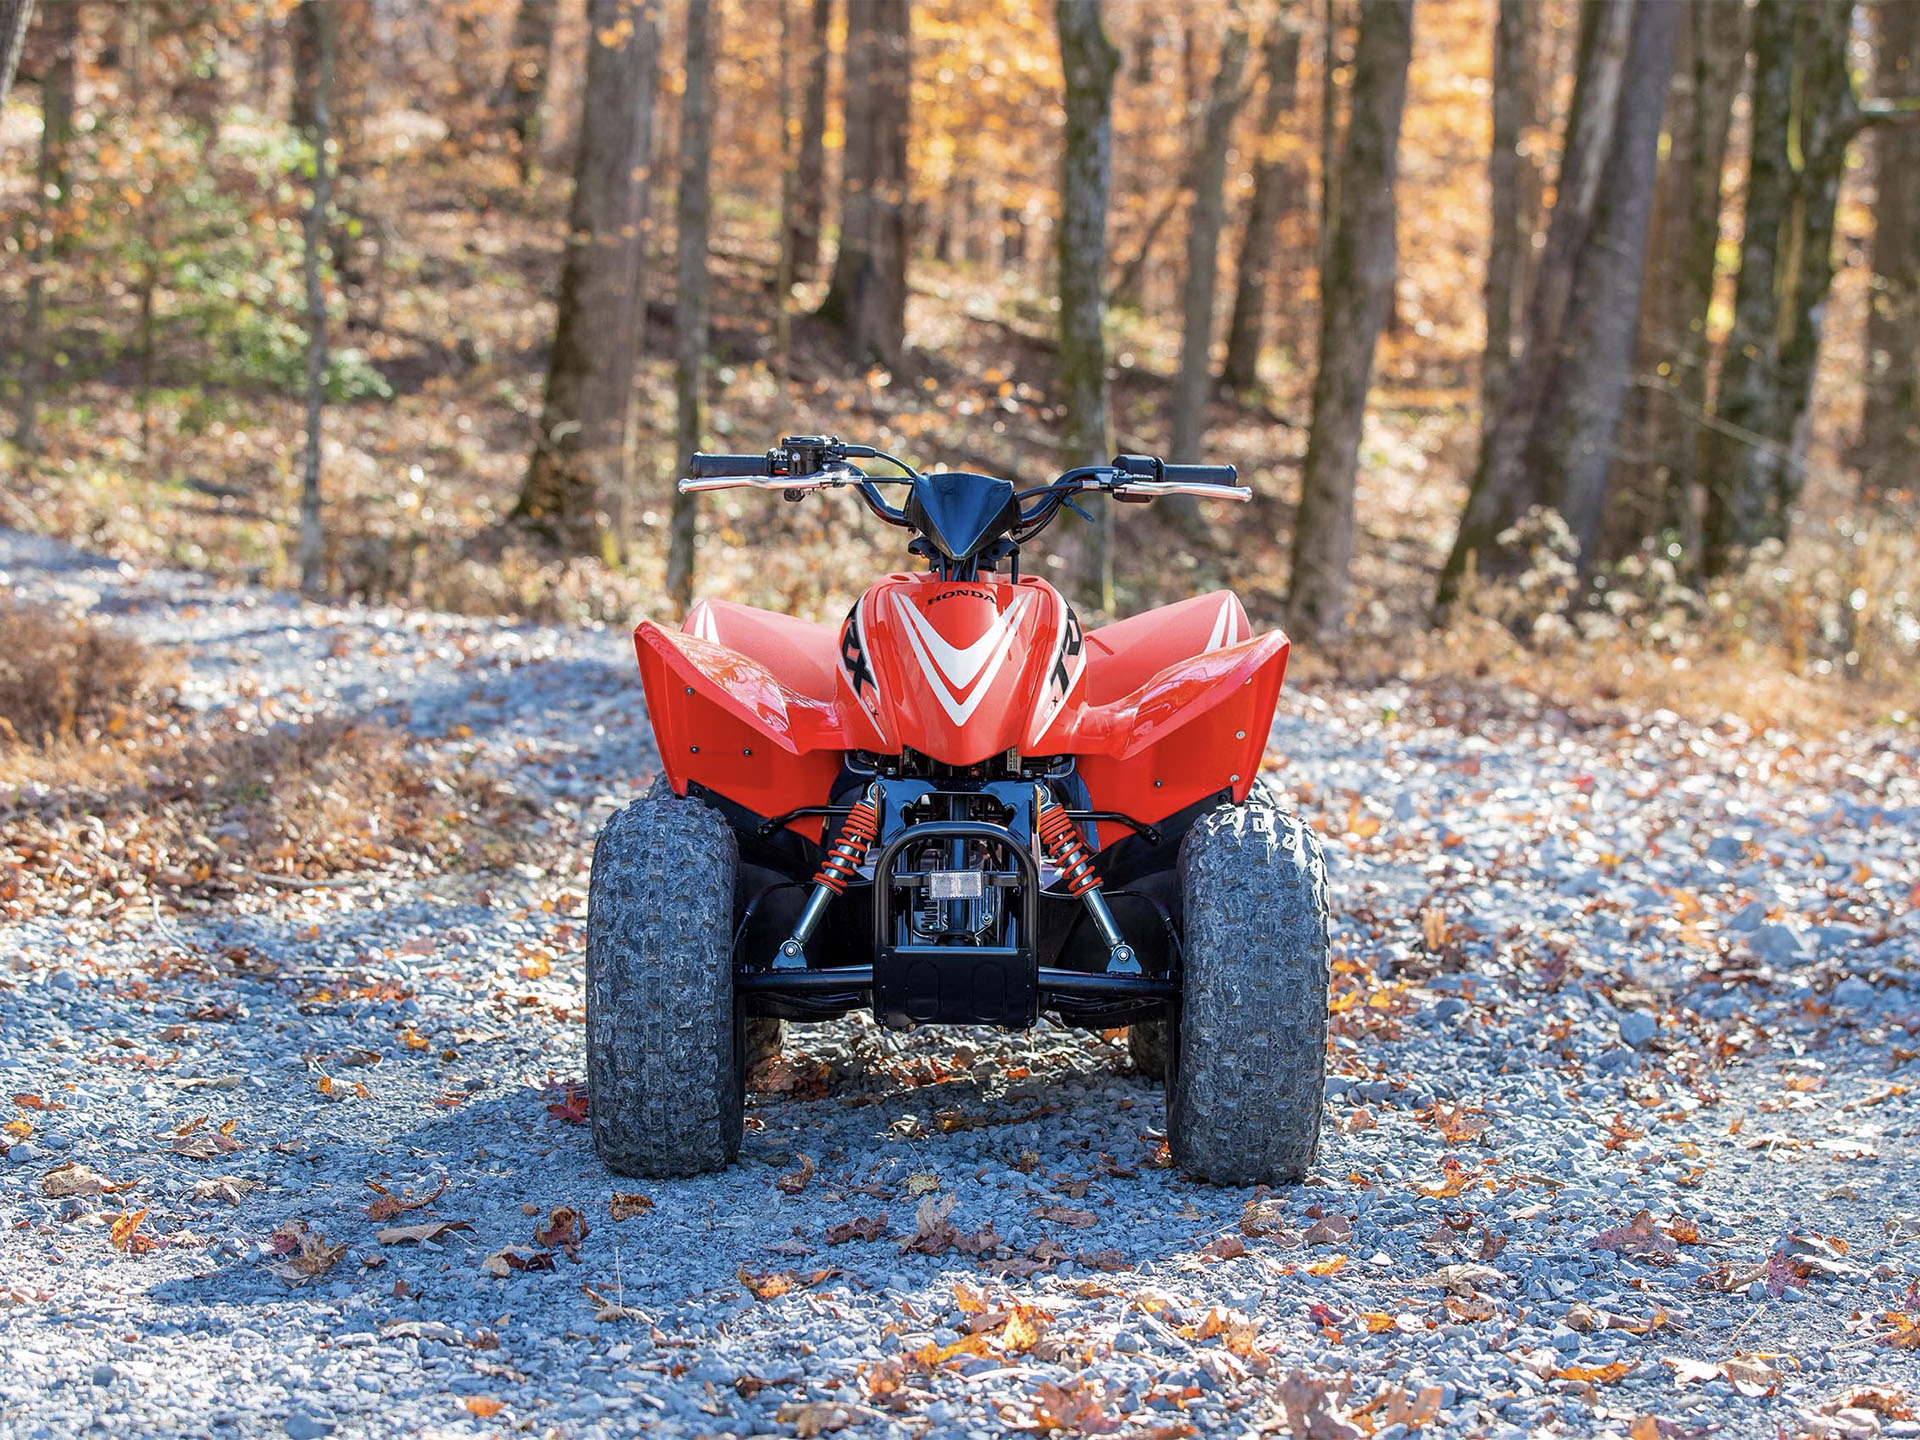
[(627, 1206), (1640, 1240), (770, 1286), (126, 1235), (514, 1259), (386, 1205), (571, 1108), (859, 1228), (421, 1233), (485, 1406), (564, 1230), (307, 1254), (1595, 1374), (1332, 1265), (229, 1188), (1330, 1230), (796, 1180), (1227, 1247), (1065, 1215), (74, 1178), (922, 1184)]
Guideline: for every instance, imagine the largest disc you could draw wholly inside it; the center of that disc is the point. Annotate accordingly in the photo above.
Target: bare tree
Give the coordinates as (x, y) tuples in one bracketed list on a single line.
[(1656, 490), (1089, 62), (15, 17), (47, 238), (1889, 442), (1276, 187), (581, 456), (1508, 242), (1204, 222), (1502, 489), (322, 24), (1356, 295), (810, 167), (1804, 117), (523, 90), (867, 297), (690, 360)]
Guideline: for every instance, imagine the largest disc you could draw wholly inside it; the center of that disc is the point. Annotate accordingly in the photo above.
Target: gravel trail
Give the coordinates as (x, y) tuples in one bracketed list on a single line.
[(1582, 972)]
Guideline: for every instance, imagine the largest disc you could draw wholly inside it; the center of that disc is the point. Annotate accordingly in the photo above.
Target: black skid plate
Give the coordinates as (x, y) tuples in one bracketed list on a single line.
[(956, 985)]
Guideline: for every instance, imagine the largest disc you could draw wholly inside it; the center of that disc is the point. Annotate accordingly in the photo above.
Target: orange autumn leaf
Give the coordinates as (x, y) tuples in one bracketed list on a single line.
[(1332, 1265), (485, 1406)]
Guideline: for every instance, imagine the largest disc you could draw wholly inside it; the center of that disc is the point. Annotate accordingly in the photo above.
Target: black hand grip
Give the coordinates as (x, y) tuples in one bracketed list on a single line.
[(1201, 474), (708, 467)]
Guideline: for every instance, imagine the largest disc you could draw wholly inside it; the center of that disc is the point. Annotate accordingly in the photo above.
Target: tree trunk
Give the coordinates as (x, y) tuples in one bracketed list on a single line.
[(15, 17), (47, 240), (1204, 221), (867, 297), (1508, 241), (1355, 298), (690, 363), (1656, 491), (1275, 187), (1803, 106), (1571, 453), (1329, 133), (810, 169), (1503, 489), (1089, 62), (581, 458), (783, 267), (523, 90), (1889, 444), (321, 22)]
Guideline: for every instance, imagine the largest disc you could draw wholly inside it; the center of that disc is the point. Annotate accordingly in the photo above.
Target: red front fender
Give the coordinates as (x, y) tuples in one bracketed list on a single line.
[(1196, 728), (722, 719)]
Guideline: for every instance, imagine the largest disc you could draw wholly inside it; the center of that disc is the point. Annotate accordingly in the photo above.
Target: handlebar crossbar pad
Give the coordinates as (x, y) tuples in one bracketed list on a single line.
[(708, 467), (1201, 474)]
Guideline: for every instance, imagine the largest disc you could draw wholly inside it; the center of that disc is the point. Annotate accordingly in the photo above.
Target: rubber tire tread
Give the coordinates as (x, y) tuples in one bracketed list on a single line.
[(1245, 1092), (665, 1082)]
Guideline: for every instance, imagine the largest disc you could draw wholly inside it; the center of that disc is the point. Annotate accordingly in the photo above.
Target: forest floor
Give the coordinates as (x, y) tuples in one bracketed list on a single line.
[(1623, 1132)]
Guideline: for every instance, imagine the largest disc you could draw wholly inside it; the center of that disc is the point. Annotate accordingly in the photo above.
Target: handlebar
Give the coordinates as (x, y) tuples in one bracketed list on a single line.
[(803, 463), (710, 467)]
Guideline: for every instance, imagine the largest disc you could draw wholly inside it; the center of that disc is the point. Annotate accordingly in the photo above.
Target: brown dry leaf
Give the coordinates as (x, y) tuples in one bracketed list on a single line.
[(1227, 1247), (796, 1180), (812, 1418), (1378, 1322), (1076, 1408), (1460, 1124), (770, 1286), (1690, 1372), (126, 1235), (1595, 1374), (485, 1406), (1751, 1375), (1065, 1215), (1465, 1280), (922, 1184), (859, 1228), (1024, 1329), (627, 1206), (229, 1188), (514, 1259), (386, 1204), (1312, 1411), (307, 1253), (1641, 1240), (1332, 1265), (421, 1233), (565, 1229), (969, 1300), (74, 1178), (204, 1146), (1264, 1218), (1398, 1409)]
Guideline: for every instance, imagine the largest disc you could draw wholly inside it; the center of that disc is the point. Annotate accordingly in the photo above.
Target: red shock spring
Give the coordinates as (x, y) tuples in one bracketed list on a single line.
[(1067, 848), (850, 848)]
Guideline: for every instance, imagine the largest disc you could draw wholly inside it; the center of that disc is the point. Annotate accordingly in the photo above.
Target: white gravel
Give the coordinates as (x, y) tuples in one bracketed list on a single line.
[(1645, 966)]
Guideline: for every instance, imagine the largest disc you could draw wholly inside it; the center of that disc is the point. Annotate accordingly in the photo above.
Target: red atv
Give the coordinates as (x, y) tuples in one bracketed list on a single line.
[(959, 807)]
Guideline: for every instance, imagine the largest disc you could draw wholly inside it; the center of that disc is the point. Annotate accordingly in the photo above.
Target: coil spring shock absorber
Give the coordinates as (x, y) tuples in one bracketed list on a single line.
[(1067, 848), (841, 865)]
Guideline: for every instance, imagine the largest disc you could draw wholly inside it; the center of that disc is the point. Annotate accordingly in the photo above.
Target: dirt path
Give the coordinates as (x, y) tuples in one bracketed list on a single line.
[(1584, 973)]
